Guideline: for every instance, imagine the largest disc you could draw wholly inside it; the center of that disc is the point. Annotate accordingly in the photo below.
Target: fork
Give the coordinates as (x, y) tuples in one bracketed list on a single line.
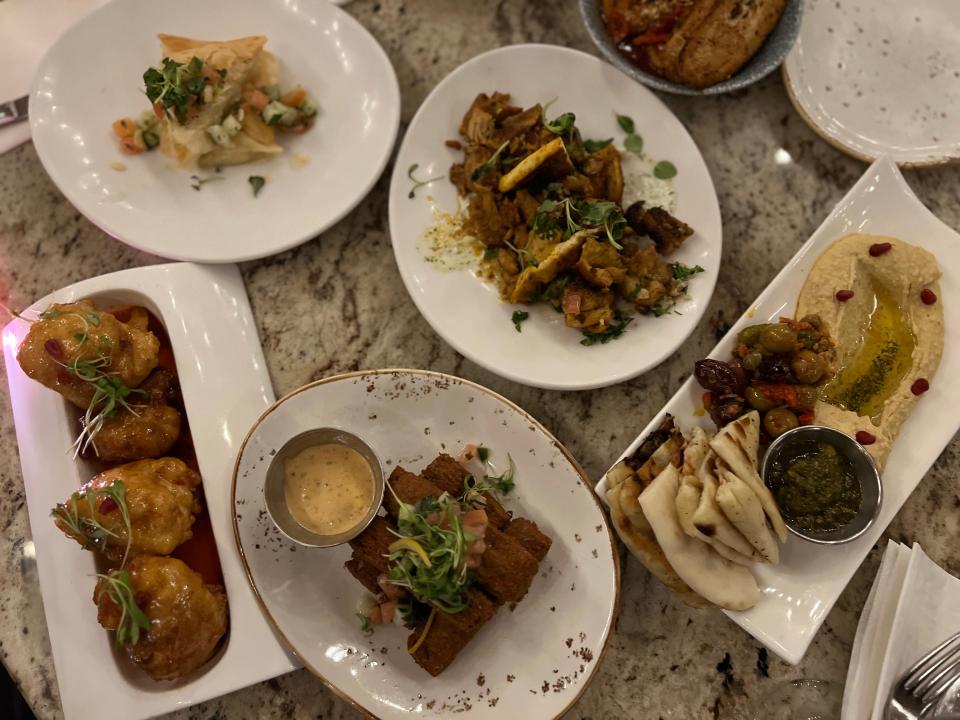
[(922, 686)]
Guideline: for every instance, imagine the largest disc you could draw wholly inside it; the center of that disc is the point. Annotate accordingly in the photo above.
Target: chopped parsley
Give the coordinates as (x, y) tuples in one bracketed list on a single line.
[(562, 124), (256, 182), (626, 124), (684, 272), (518, 317), (633, 143), (592, 146), (611, 333), (664, 170), (578, 214)]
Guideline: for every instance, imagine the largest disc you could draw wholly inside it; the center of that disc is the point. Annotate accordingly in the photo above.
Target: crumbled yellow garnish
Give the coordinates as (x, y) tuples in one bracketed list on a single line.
[(423, 635)]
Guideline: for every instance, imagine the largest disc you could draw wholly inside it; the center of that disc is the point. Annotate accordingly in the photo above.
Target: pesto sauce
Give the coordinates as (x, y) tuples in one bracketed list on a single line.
[(816, 487)]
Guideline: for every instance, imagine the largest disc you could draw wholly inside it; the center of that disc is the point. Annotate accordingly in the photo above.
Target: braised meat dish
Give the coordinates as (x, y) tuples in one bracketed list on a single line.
[(547, 207)]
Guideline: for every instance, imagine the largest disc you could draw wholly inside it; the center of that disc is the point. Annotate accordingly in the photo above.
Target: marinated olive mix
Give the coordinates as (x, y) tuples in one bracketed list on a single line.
[(777, 369)]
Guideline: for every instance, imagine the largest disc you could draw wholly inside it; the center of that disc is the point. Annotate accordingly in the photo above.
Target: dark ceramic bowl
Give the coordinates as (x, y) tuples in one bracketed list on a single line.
[(766, 60)]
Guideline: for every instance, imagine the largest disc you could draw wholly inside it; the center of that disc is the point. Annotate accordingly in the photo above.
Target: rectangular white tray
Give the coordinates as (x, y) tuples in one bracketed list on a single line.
[(800, 591), (225, 387)]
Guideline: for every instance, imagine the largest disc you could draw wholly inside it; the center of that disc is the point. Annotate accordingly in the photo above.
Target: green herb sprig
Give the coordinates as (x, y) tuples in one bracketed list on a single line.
[(592, 146), (95, 534), (489, 165), (664, 170), (518, 317), (133, 620), (256, 182), (110, 394), (579, 214), (562, 124), (683, 272), (417, 183), (611, 333), (632, 142), (173, 84)]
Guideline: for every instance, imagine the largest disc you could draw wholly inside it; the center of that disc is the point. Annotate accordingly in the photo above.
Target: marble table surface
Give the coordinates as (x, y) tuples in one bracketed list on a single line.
[(337, 304)]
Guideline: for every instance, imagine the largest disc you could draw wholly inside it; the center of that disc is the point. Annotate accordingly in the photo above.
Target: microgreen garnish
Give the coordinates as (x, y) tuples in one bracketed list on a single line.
[(88, 528), (197, 182), (256, 182), (602, 214), (626, 124), (365, 627), (109, 395), (518, 317), (496, 485), (684, 272), (417, 184), (611, 333), (664, 307), (50, 314), (633, 143), (490, 253), (552, 292), (483, 454), (592, 146), (132, 619), (525, 257), (664, 170), (430, 560), (413, 613), (173, 84), (562, 124), (489, 165)]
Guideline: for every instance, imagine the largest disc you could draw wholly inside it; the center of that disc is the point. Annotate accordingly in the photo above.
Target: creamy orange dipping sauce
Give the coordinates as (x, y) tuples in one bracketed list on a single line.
[(328, 488)]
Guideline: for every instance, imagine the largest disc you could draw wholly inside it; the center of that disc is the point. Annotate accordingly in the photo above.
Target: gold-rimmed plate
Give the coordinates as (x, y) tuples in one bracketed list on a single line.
[(534, 661)]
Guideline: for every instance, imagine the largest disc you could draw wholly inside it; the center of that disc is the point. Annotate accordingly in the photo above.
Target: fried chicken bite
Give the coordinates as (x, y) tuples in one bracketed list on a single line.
[(167, 621), (72, 347), (157, 497), (148, 429)]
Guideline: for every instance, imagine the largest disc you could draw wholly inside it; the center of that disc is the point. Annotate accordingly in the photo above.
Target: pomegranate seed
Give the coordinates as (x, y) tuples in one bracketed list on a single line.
[(920, 386), (844, 295), (54, 349), (878, 249), (865, 438), (108, 506), (142, 599), (928, 296)]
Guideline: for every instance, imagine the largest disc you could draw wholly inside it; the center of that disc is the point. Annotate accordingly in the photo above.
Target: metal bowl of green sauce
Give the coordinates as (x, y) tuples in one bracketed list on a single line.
[(826, 484)]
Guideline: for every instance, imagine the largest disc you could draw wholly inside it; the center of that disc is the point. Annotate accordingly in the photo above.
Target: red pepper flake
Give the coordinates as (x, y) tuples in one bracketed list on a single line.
[(865, 438), (844, 295), (107, 506), (928, 296), (878, 249), (920, 386)]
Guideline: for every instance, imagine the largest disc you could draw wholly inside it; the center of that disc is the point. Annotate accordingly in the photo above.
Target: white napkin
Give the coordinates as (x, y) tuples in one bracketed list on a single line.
[(913, 606), (27, 30)]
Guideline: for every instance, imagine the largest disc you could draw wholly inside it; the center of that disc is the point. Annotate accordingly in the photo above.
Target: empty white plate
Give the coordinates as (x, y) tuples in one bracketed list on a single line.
[(93, 76), (880, 78), (467, 312)]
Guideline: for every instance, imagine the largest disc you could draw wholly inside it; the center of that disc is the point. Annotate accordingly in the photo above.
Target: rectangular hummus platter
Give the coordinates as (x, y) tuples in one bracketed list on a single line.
[(800, 591)]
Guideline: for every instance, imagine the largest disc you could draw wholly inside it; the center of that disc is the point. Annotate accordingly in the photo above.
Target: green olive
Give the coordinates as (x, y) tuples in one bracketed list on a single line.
[(750, 335), (751, 361), (778, 338), (806, 397), (778, 421), (807, 366), (758, 400)]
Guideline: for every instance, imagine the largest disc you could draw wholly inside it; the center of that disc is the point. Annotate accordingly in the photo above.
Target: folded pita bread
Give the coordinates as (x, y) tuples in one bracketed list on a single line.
[(642, 544), (742, 508), (711, 576), (688, 500), (695, 451), (709, 519), (738, 445)]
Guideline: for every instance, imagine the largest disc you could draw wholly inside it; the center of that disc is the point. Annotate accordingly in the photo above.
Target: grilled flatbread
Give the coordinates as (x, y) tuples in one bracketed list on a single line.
[(688, 500), (711, 576), (738, 445), (709, 518), (742, 508), (695, 451)]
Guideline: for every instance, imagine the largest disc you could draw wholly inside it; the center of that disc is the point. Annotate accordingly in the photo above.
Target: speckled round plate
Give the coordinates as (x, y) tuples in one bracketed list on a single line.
[(532, 662), (881, 78)]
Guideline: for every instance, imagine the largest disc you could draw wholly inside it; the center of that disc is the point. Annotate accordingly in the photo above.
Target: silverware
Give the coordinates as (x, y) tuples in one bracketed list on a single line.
[(922, 686), (13, 111)]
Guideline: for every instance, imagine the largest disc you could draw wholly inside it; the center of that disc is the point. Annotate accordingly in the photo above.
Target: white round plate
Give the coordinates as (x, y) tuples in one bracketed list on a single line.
[(467, 312), (880, 78), (533, 662), (93, 75)]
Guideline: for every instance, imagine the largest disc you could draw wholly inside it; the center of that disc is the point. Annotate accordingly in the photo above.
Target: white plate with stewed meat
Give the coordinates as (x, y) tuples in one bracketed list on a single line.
[(578, 329), (538, 634)]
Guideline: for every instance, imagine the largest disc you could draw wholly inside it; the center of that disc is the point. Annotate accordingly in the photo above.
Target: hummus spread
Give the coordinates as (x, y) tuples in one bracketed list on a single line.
[(879, 299)]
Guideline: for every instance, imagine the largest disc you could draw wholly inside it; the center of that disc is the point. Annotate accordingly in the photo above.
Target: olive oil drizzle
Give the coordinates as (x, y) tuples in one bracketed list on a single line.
[(868, 379)]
